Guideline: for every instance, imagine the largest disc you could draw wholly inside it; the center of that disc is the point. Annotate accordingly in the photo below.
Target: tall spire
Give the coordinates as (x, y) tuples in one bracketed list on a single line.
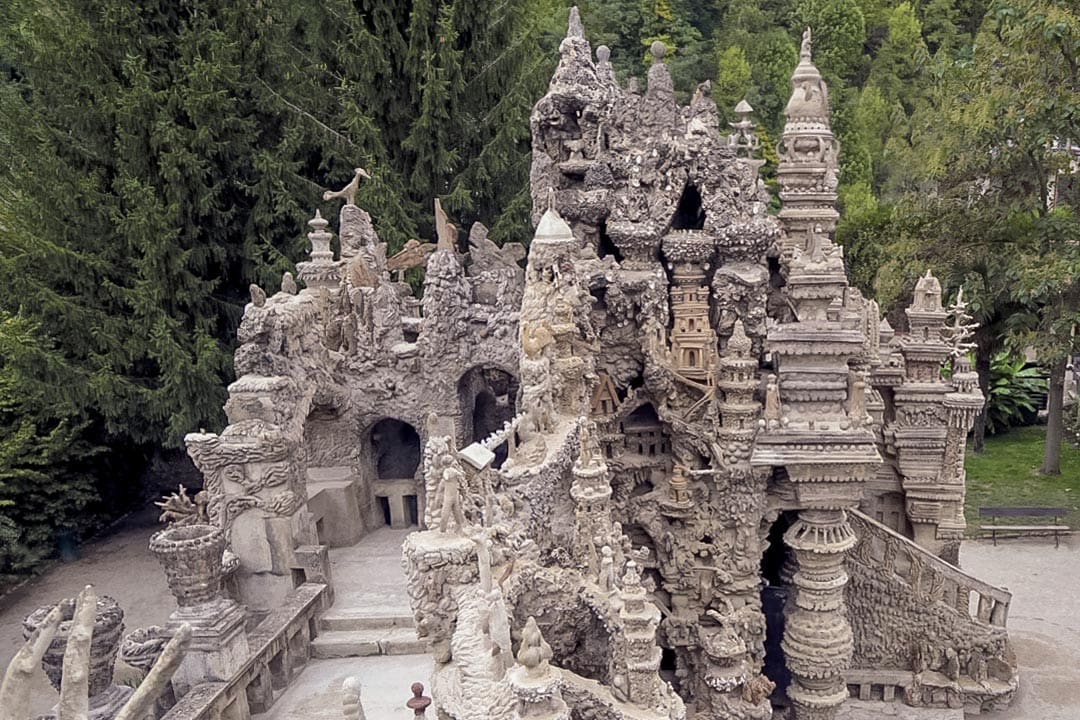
[(576, 66), (808, 172)]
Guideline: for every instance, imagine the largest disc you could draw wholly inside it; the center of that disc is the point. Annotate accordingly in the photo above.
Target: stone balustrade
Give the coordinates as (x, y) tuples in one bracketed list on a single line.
[(929, 575), (279, 651), (503, 434)]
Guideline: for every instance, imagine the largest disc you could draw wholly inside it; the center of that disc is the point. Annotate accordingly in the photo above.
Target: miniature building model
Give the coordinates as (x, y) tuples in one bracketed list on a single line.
[(676, 467)]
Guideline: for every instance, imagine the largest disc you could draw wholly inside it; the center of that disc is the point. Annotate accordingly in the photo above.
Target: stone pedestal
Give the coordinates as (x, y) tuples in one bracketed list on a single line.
[(106, 699), (539, 697), (191, 557), (818, 642), (435, 563)]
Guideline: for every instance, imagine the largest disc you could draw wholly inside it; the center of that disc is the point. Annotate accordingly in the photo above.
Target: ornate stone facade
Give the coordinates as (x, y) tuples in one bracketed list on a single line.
[(676, 467)]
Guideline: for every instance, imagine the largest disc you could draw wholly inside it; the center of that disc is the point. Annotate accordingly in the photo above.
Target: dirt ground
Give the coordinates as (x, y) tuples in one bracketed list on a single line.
[(1044, 620)]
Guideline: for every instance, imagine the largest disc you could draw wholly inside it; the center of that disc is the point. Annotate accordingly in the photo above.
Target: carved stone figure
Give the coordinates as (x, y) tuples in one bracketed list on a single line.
[(348, 193), (352, 706), (535, 651), (452, 478)]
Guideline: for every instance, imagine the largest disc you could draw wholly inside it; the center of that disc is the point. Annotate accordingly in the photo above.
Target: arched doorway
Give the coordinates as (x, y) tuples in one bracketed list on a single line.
[(395, 460)]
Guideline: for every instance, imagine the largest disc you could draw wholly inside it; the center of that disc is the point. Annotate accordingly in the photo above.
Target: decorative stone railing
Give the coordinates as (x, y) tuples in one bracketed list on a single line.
[(279, 650), (503, 434), (929, 575)]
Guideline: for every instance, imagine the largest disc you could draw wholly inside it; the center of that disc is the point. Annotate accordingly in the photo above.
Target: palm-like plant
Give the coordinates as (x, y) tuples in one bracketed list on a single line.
[(1015, 391)]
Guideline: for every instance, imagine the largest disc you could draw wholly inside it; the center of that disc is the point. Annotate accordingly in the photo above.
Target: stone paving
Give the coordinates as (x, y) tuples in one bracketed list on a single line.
[(1043, 619), (368, 577), (384, 681)]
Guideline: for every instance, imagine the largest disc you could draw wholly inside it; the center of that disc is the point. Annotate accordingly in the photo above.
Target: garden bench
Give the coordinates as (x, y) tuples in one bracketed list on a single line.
[(1025, 512)]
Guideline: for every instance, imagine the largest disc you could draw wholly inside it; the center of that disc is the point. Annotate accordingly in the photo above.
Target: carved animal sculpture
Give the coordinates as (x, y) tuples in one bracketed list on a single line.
[(348, 193)]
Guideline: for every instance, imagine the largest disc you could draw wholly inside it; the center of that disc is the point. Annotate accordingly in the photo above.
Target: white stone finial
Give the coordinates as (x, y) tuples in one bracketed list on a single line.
[(806, 50)]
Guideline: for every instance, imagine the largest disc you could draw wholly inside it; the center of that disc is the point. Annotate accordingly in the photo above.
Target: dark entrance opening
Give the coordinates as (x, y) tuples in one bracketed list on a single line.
[(412, 510), (689, 215), (384, 505), (774, 594), (669, 664), (396, 446), (606, 246)]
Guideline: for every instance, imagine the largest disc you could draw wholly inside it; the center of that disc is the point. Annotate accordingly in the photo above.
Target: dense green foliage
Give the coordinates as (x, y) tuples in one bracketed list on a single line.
[(1016, 392), (159, 157), (162, 156)]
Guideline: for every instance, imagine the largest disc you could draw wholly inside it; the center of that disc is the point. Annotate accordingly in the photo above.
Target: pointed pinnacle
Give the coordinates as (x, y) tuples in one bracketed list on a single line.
[(575, 28)]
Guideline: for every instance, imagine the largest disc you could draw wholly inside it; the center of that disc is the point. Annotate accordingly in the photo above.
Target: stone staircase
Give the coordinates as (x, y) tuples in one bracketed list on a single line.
[(925, 630), (346, 633), (371, 613)]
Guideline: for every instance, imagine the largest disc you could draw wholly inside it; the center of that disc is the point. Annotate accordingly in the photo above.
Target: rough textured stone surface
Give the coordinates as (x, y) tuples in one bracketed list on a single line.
[(638, 464)]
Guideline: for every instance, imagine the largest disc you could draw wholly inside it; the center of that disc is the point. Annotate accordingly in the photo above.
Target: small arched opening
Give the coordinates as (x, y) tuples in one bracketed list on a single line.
[(396, 446), (395, 458), (690, 214)]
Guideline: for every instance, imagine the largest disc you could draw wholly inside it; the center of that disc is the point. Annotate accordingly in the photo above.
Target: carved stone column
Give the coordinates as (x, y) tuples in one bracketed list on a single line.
[(818, 642), (636, 659)]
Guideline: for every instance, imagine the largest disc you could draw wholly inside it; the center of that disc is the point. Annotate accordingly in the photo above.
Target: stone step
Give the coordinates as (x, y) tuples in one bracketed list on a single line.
[(362, 643), (337, 620)]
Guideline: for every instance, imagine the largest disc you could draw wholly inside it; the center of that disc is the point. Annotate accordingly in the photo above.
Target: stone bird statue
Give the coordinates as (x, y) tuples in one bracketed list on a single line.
[(348, 193), (288, 284)]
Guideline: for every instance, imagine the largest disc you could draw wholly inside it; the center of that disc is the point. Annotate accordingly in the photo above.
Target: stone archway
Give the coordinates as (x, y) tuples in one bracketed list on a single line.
[(393, 462)]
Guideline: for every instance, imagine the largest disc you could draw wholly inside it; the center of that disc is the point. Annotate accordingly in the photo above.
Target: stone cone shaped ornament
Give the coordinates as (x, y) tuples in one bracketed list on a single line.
[(192, 558)]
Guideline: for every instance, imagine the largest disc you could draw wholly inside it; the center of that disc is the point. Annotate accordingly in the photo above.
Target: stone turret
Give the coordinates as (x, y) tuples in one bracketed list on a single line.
[(808, 151), (815, 413), (321, 271), (739, 410)]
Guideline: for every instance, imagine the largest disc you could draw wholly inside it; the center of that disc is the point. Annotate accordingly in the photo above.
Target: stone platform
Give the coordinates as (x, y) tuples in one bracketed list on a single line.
[(385, 681)]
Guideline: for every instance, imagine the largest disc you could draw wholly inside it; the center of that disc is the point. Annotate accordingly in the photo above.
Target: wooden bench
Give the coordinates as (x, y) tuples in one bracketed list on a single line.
[(1025, 512)]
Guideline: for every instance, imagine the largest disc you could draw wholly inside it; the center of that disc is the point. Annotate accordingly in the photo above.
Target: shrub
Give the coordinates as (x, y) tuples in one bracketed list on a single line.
[(1016, 392)]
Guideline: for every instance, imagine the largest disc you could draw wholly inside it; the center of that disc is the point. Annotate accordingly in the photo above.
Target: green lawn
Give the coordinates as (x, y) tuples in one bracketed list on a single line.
[(1007, 473)]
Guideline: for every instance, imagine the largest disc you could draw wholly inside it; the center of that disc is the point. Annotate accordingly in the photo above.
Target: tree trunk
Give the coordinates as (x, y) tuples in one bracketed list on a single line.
[(1055, 404), (983, 354)]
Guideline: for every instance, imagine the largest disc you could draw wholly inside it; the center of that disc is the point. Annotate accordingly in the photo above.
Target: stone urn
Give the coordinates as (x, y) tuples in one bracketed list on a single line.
[(192, 558), (108, 627)]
